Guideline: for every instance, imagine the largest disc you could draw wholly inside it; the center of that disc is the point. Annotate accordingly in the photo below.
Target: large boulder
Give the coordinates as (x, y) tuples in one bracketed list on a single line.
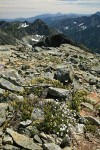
[(65, 142), (5, 84), (54, 41), (23, 140), (12, 76), (93, 120), (64, 74), (59, 92)]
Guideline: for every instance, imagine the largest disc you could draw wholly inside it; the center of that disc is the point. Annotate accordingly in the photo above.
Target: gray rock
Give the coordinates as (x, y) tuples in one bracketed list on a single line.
[(25, 67), (65, 142), (3, 113), (65, 74), (50, 139), (54, 53), (37, 114), (59, 92), (23, 140), (2, 91), (98, 85), (37, 139), (51, 146), (87, 105), (43, 135), (31, 131), (7, 140), (13, 96), (10, 147), (0, 142), (68, 148), (83, 66), (5, 84), (1, 133), (93, 120), (92, 81), (11, 75), (25, 123), (37, 49), (80, 128), (74, 60)]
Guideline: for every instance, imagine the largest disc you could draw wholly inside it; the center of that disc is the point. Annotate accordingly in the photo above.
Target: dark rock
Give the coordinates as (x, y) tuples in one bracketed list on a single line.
[(92, 81), (25, 67), (83, 66), (98, 85), (93, 120), (65, 142), (59, 92), (54, 41), (65, 74)]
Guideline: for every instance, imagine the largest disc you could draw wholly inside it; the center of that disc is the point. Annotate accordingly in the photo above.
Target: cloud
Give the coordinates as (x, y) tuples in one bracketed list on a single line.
[(28, 8)]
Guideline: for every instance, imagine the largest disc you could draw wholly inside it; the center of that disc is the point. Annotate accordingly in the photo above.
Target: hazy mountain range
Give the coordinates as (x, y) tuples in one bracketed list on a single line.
[(82, 29)]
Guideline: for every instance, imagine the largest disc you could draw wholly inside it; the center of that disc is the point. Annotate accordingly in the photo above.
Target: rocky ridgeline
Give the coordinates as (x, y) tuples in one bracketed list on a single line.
[(49, 98)]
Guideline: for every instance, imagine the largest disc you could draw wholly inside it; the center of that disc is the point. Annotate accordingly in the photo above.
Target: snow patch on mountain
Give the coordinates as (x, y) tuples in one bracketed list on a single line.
[(66, 28), (35, 40), (84, 27), (39, 36), (24, 25), (80, 24)]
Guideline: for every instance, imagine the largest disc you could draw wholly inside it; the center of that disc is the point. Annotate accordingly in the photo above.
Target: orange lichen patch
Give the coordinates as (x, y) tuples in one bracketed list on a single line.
[(89, 143), (83, 113), (86, 112), (86, 145), (93, 97)]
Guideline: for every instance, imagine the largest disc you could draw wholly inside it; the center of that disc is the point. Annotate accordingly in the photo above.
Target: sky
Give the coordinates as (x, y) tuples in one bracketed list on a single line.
[(30, 8)]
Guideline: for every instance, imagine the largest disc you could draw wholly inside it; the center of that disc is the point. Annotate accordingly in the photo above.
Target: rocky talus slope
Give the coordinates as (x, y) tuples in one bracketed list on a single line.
[(49, 98)]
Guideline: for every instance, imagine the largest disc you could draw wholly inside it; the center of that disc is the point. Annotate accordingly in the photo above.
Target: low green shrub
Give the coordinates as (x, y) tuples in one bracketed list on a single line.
[(78, 98), (55, 120)]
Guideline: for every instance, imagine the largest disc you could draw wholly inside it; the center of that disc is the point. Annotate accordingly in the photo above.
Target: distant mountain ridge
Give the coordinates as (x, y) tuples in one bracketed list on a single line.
[(45, 17), (19, 30), (84, 30)]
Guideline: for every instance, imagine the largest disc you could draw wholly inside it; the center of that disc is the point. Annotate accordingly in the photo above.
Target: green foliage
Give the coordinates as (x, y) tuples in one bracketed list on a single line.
[(55, 120), (55, 59), (90, 128), (24, 108), (78, 97), (54, 83), (38, 91)]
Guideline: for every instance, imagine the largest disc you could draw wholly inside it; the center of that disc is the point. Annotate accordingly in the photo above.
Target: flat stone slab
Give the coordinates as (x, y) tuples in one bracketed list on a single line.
[(5, 84), (93, 120), (23, 140), (51, 146), (59, 92)]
